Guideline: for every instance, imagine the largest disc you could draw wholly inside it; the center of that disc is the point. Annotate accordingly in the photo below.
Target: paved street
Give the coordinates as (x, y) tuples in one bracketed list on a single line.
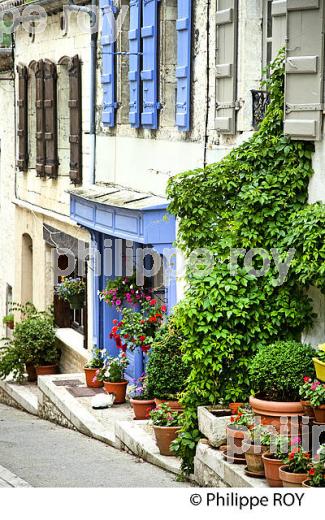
[(46, 455)]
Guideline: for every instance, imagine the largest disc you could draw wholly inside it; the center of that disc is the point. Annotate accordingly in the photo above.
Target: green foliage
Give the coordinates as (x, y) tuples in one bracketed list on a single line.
[(163, 416), (277, 370), (244, 201), (113, 369), (9, 318), (33, 342), (96, 360), (166, 371)]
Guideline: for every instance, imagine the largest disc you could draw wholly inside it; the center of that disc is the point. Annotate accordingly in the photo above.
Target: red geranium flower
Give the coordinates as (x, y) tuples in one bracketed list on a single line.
[(311, 472), (142, 338), (163, 308)]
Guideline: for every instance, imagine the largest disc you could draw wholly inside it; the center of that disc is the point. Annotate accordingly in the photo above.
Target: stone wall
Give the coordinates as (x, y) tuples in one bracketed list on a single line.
[(9, 401), (48, 411)]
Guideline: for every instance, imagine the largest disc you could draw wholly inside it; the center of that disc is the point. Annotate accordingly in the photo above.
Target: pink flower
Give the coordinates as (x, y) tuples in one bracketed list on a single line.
[(148, 298), (294, 441), (315, 385), (118, 302)]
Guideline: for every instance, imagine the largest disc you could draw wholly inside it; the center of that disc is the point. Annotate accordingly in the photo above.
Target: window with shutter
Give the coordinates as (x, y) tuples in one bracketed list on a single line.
[(108, 63), (75, 137), (50, 118), (304, 85), (226, 65), (149, 73), (22, 162), (278, 26), (183, 70), (134, 62), (40, 123)]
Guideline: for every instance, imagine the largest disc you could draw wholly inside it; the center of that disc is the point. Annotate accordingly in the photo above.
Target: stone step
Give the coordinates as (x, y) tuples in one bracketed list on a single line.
[(23, 396)]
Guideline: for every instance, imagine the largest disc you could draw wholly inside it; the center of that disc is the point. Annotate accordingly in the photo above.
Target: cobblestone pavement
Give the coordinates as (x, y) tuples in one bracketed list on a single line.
[(46, 455)]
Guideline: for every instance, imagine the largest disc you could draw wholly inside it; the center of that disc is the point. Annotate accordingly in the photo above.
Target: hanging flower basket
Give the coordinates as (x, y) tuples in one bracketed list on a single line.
[(73, 291)]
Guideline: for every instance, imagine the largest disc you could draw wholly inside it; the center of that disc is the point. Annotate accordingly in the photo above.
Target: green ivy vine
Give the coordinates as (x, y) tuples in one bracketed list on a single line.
[(247, 200)]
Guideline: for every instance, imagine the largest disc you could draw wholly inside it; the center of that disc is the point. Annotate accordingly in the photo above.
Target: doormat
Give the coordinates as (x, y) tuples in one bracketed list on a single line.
[(68, 382), (84, 391)]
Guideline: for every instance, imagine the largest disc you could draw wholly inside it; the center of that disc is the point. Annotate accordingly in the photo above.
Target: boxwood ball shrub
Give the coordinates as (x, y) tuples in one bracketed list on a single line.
[(166, 371), (277, 370)]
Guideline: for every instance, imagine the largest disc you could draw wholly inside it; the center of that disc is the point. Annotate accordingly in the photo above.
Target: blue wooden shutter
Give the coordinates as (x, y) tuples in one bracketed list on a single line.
[(108, 57), (134, 62), (183, 69), (149, 73)]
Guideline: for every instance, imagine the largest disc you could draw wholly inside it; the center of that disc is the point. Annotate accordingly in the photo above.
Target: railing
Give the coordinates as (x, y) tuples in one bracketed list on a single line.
[(260, 99)]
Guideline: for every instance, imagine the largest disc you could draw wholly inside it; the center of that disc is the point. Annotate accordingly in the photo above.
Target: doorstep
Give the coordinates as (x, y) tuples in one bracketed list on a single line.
[(23, 396), (211, 470)]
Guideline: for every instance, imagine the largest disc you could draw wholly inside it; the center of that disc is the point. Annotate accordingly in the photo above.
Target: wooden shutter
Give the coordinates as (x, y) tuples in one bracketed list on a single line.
[(226, 65), (149, 73), (108, 63), (50, 116), (183, 69), (304, 96), (75, 137), (279, 30), (22, 162), (40, 124), (134, 62)]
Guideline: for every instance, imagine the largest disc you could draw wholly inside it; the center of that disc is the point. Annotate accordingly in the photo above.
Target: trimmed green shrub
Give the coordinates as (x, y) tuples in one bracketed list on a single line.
[(166, 371), (277, 370)]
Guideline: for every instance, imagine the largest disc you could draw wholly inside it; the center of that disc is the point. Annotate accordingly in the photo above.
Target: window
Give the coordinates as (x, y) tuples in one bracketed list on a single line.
[(267, 32)]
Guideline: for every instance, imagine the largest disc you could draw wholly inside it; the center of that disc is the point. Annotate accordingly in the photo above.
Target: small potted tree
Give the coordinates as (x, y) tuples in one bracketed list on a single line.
[(276, 372), (92, 368), (316, 470), (317, 401), (294, 470), (166, 427), (9, 321), (140, 399), (112, 375), (72, 290)]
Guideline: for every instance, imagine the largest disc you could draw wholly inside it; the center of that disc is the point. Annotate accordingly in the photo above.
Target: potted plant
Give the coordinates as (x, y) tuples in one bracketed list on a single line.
[(317, 400), (33, 346), (137, 329), (305, 393), (273, 460), (294, 470), (319, 362), (140, 399), (238, 431), (9, 321), (166, 370), (123, 291), (254, 446), (166, 427), (112, 375), (72, 290), (316, 470), (276, 372), (91, 369)]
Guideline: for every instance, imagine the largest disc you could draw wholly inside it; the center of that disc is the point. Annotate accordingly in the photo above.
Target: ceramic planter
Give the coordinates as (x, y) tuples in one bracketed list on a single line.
[(272, 411), (308, 409), (320, 369), (319, 412), (141, 406), (253, 456), (46, 370), (235, 439), (175, 406), (31, 372), (165, 435), (291, 479), (271, 468), (118, 389), (90, 374)]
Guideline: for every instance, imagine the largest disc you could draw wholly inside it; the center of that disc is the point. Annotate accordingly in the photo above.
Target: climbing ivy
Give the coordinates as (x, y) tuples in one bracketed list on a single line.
[(244, 201)]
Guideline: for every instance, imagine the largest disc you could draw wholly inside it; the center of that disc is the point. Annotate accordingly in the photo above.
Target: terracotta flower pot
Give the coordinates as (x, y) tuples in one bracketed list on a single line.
[(306, 483), (235, 439), (253, 456), (46, 370), (271, 468), (31, 372), (140, 407), (319, 412), (90, 374), (118, 389), (291, 479), (175, 406), (271, 412), (165, 435), (10, 324), (308, 409)]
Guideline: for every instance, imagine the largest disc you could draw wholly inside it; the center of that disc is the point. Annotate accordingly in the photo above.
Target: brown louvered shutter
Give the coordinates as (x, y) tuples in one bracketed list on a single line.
[(75, 120), (40, 124), (50, 117), (22, 162)]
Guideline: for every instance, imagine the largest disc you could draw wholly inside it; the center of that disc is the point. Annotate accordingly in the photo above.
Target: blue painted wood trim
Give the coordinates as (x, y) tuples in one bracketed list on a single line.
[(183, 69), (108, 62)]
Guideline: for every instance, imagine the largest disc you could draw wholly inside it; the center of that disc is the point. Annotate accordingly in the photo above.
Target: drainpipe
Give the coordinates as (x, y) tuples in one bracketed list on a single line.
[(91, 176)]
